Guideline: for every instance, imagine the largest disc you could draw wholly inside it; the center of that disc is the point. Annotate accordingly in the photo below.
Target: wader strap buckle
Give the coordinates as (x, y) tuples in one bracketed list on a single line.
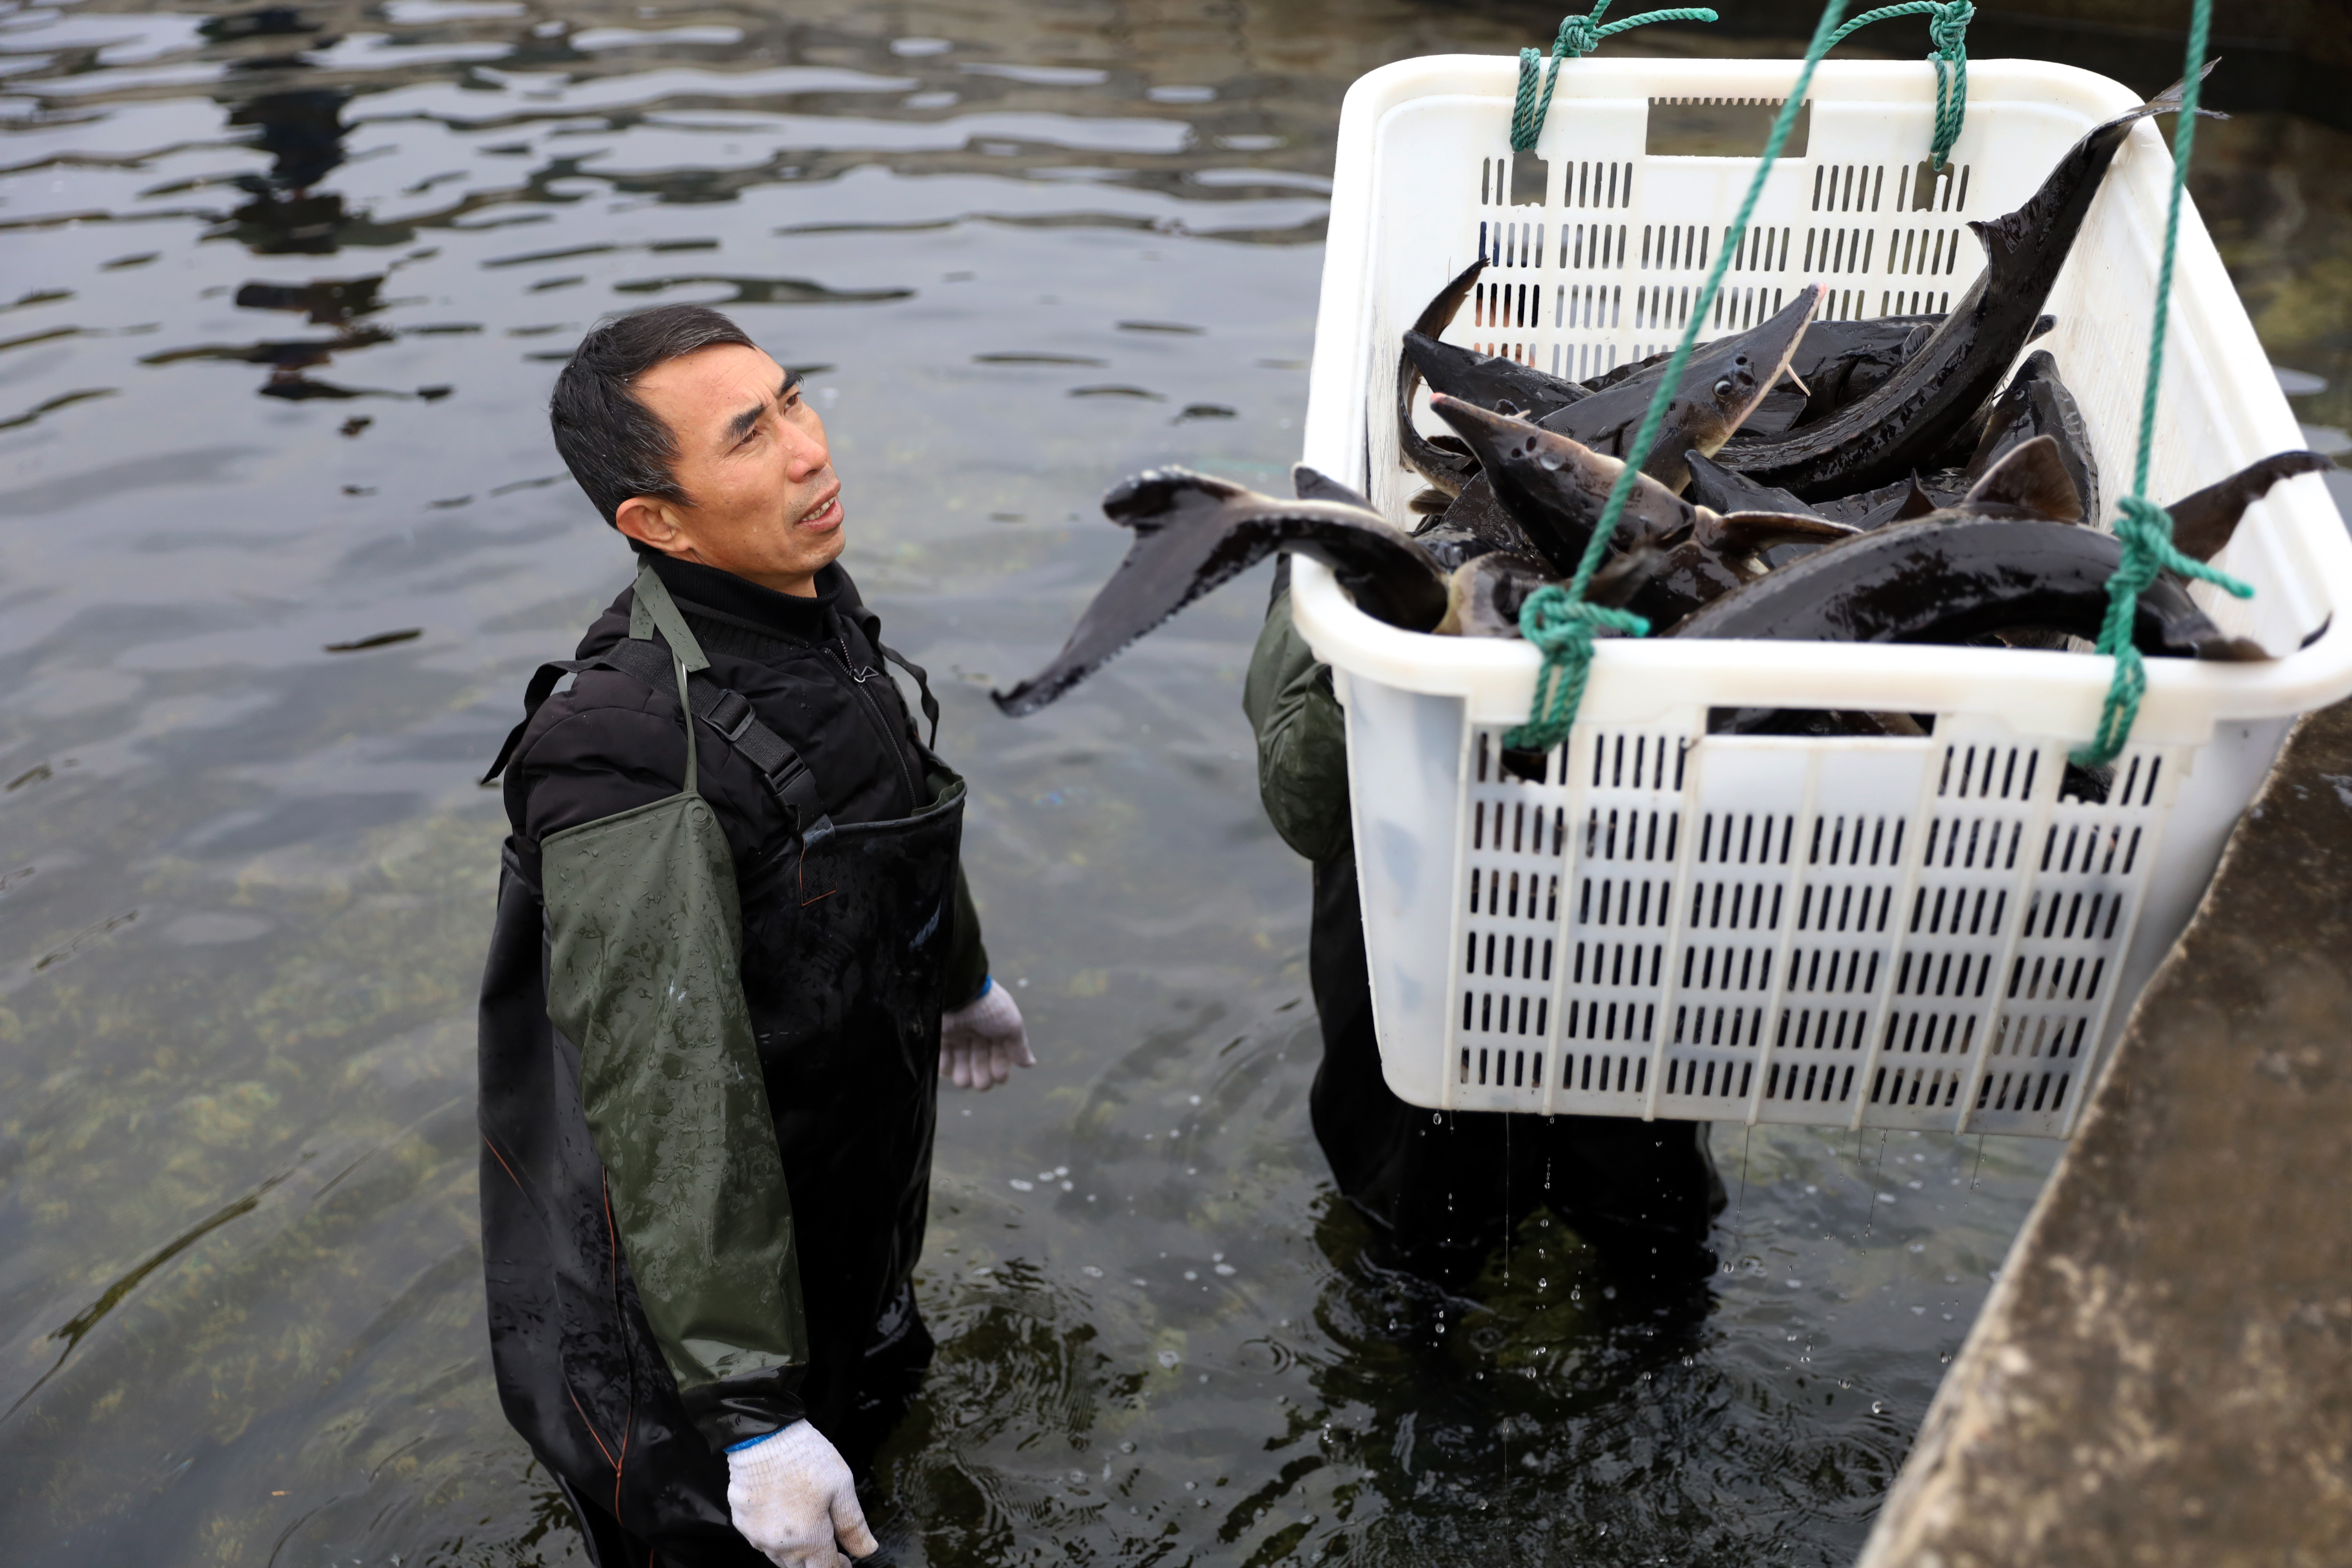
[(731, 715), (729, 711)]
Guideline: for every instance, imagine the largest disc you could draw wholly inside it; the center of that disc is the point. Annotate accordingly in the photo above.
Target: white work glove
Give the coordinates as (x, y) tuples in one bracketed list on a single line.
[(792, 1497), (983, 1041)]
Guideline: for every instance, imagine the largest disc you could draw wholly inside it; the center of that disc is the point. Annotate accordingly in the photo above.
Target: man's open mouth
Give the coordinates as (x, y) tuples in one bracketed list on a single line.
[(824, 511)]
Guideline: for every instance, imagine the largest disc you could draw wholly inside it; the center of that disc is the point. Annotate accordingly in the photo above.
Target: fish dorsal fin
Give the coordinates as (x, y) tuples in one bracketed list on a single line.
[(1916, 502), (1155, 497), (2033, 479), (1313, 484), (1748, 531)]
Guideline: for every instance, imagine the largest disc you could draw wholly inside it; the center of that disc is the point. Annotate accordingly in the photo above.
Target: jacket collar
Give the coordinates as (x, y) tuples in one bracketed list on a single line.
[(723, 597)]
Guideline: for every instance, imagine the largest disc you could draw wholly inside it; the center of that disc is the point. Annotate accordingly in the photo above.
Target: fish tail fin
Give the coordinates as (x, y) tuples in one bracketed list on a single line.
[(2169, 100), (2010, 239), (1441, 311), (2204, 522)]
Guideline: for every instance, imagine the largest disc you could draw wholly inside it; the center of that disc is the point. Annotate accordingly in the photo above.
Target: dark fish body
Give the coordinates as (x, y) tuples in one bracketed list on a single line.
[(2203, 522), (1952, 576), (1490, 381), (1194, 533), (1836, 362), (1897, 502), (1448, 471), (1936, 391), (1556, 488), (1721, 386), (2036, 402), (1844, 360), (1850, 365), (1727, 490), (1473, 524)]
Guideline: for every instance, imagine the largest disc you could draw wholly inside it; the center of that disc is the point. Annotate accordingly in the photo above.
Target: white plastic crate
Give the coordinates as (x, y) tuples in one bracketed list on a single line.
[(1890, 932)]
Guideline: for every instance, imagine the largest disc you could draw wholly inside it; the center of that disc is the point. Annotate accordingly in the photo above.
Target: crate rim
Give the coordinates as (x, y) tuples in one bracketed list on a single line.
[(1637, 679)]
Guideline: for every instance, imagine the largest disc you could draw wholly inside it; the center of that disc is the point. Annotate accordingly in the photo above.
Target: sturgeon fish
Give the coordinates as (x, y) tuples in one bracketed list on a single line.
[(1996, 562), (1446, 471), (1490, 381), (1194, 533), (1933, 395), (2036, 402), (1557, 488), (1721, 386)]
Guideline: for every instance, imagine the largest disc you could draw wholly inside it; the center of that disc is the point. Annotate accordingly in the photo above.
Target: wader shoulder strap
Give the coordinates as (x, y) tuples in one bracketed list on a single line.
[(541, 687), (922, 684), (723, 708), (729, 711)]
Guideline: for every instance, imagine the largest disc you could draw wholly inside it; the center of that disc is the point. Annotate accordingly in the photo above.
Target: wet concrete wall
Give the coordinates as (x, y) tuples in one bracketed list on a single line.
[(2164, 1375)]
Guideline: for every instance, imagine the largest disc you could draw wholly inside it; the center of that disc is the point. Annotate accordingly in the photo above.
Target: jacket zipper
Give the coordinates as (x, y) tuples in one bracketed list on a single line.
[(858, 679)]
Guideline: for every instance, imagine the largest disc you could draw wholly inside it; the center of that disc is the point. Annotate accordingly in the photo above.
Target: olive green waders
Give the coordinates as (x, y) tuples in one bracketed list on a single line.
[(708, 1099)]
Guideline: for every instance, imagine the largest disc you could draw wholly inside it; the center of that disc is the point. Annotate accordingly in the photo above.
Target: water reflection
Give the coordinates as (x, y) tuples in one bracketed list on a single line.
[(285, 535)]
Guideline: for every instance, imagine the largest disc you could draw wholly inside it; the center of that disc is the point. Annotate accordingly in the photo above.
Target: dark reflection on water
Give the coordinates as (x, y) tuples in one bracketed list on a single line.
[(284, 292)]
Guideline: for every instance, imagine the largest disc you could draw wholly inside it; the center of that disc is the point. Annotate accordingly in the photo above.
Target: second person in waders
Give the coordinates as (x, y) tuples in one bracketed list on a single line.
[(1445, 1189), (733, 956)]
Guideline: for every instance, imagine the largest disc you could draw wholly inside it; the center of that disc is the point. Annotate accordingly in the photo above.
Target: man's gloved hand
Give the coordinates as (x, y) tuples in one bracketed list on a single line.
[(792, 1497), (983, 1041)]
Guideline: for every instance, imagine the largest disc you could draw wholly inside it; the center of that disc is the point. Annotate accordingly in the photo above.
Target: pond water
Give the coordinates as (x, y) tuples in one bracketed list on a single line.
[(283, 295)]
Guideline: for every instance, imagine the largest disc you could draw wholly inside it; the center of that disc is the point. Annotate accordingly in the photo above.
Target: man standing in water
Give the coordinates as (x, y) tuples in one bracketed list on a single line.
[(1447, 1188), (713, 1019)]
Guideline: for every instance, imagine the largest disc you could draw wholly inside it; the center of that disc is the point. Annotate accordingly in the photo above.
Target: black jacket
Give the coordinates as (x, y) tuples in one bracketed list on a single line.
[(814, 673)]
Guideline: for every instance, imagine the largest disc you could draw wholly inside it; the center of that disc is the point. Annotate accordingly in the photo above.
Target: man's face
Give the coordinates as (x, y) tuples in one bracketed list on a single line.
[(751, 454)]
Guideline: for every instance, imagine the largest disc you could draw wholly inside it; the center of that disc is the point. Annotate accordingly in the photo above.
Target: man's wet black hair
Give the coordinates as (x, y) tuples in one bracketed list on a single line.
[(614, 446)]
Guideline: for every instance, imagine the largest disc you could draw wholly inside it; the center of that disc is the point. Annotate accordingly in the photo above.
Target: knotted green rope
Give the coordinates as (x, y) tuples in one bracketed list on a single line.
[(1947, 29), (1579, 36), (2144, 528), (1562, 628), (1557, 620)]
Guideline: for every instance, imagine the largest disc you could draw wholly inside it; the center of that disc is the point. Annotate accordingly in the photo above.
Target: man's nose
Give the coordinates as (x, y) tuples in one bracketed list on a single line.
[(804, 453)]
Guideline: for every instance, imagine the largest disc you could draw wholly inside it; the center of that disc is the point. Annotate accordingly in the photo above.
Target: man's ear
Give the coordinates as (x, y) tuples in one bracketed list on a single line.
[(648, 520)]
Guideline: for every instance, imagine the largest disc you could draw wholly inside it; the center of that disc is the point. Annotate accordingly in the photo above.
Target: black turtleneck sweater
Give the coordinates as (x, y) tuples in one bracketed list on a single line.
[(814, 672)]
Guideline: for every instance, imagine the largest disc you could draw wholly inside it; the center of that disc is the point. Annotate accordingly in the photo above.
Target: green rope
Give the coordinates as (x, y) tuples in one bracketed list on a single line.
[(1947, 29), (1557, 620), (1563, 628), (1579, 36), (2144, 528)]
